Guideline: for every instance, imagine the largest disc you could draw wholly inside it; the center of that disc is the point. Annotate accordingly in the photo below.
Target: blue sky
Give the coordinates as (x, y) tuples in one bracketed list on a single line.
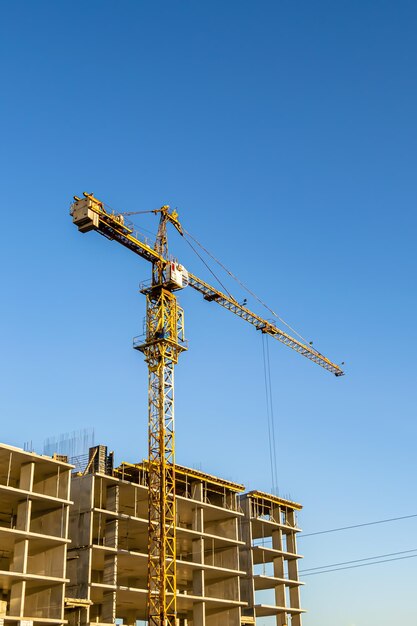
[(285, 133)]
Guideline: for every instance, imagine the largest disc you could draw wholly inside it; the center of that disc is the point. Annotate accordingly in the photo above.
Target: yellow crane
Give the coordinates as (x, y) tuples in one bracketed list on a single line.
[(163, 344)]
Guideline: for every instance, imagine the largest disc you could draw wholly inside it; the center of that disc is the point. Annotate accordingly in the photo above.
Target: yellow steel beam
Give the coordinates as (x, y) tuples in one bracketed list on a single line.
[(268, 497), (112, 226), (213, 295)]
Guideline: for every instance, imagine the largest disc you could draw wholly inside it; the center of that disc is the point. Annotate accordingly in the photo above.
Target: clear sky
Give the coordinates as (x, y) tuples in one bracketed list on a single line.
[(285, 133)]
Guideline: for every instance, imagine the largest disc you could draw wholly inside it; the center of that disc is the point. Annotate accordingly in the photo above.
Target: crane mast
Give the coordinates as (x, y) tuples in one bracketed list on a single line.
[(163, 344)]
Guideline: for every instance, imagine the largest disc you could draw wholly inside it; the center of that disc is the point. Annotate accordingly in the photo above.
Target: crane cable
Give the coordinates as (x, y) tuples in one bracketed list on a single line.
[(246, 288), (358, 562), (209, 268), (270, 414), (138, 229), (230, 273), (253, 294), (266, 364), (129, 213)]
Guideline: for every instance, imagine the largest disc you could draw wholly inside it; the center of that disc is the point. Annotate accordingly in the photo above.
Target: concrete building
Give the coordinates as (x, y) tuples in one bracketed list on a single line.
[(231, 548), (236, 552), (270, 557), (108, 556), (34, 507)]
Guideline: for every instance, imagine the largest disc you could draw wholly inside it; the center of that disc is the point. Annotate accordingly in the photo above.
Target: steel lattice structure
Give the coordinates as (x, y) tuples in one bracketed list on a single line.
[(164, 342)]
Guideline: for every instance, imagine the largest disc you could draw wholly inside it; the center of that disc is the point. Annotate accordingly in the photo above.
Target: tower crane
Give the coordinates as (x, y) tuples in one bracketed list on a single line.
[(164, 342)]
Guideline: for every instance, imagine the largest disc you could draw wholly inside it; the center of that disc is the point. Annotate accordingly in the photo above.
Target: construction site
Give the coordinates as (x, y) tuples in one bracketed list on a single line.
[(74, 548), (149, 541)]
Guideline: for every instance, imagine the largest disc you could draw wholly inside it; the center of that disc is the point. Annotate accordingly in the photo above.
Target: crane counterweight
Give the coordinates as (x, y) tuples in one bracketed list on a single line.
[(84, 216)]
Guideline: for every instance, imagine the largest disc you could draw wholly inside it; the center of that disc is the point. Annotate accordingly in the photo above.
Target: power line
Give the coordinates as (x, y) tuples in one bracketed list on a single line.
[(399, 558), (369, 558), (335, 530)]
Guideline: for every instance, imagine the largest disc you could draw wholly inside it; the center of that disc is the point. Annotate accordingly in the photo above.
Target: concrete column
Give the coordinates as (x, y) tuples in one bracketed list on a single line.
[(199, 608), (131, 618), (27, 472), (247, 587), (17, 595), (279, 572), (108, 612), (199, 613), (20, 556), (293, 568), (113, 498)]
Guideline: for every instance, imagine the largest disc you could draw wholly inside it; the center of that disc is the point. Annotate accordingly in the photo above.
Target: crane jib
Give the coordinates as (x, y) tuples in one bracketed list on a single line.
[(93, 216), (211, 294)]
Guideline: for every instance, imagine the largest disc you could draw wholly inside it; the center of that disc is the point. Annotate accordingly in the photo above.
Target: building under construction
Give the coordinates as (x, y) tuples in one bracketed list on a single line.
[(205, 552), (151, 541), (74, 546)]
